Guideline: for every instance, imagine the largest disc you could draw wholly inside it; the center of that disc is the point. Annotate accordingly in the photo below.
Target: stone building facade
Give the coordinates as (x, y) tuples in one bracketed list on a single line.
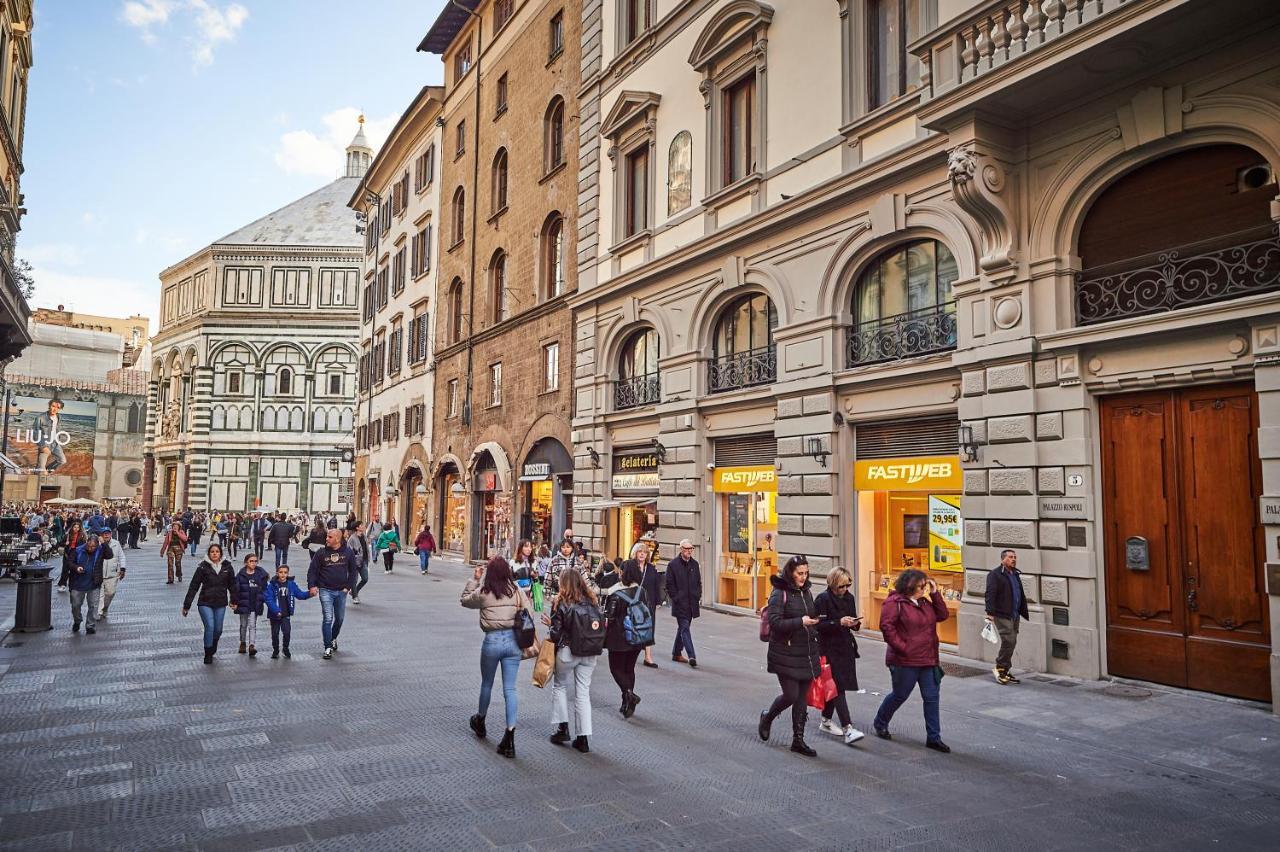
[(399, 199), (1003, 281), (501, 465), (16, 23), (253, 379)]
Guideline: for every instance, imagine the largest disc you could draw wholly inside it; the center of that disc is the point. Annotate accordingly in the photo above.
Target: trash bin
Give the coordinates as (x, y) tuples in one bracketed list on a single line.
[(35, 599)]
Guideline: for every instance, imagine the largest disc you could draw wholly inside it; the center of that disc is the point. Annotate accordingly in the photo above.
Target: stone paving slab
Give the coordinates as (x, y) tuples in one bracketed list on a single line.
[(125, 740)]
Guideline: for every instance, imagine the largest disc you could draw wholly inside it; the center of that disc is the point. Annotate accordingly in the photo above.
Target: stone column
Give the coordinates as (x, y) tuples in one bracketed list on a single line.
[(808, 509), (1266, 348), (148, 480)]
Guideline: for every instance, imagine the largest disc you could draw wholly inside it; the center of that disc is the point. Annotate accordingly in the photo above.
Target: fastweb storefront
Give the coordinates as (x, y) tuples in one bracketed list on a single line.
[(745, 487), (908, 513)]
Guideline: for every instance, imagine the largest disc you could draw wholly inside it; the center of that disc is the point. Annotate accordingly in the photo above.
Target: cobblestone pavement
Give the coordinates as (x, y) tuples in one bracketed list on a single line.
[(125, 740)]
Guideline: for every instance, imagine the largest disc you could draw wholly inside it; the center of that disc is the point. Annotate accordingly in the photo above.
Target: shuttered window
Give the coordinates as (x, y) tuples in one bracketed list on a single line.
[(934, 436), (746, 450)]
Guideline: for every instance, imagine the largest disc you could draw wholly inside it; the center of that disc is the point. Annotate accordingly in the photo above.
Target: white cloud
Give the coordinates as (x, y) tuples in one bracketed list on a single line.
[(213, 24), (60, 254), (321, 153)]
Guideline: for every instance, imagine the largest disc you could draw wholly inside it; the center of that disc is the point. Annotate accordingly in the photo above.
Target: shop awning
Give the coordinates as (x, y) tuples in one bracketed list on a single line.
[(8, 464), (617, 503), (535, 477)]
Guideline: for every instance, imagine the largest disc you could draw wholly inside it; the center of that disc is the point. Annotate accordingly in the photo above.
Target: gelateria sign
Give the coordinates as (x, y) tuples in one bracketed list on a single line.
[(635, 472), (741, 480), (924, 473)]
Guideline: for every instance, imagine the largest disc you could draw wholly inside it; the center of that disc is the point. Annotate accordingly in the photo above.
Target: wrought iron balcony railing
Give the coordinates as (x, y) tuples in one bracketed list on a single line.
[(1239, 264), (894, 338), (633, 392), (743, 369)]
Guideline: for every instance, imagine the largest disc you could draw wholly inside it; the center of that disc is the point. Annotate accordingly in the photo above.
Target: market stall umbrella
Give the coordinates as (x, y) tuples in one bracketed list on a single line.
[(57, 501), (83, 502)]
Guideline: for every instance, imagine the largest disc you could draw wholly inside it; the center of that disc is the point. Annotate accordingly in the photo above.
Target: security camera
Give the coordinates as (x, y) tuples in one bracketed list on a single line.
[(711, 465)]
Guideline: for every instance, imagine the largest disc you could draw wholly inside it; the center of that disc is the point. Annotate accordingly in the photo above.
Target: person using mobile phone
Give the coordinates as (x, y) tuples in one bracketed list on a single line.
[(837, 620)]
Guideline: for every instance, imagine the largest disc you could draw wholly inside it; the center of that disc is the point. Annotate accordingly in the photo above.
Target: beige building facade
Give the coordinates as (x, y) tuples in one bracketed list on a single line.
[(502, 469), (903, 284), (16, 23), (399, 199)]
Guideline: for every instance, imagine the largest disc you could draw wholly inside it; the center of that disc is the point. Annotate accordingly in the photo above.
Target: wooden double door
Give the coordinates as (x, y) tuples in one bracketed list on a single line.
[(1183, 547)]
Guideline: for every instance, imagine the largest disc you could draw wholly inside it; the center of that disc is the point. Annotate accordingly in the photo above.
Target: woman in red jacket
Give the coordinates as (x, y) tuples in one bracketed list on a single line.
[(909, 621)]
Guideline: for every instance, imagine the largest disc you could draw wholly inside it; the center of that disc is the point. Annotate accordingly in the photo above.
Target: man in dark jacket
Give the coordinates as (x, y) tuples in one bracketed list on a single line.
[(259, 530), (282, 533), (1006, 605), (333, 573), (85, 582), (684, 591)]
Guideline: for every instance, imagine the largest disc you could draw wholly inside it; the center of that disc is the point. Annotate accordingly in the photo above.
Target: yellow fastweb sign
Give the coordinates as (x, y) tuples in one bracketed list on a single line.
[(925, 473), (739, 480)]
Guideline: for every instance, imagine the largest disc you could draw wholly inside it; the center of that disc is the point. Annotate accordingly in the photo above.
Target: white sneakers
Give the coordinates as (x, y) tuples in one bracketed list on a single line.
[(852, 735), (829, 726)]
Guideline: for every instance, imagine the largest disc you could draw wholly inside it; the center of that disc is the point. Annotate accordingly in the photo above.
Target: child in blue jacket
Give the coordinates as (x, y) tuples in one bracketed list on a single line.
[(279, 597)]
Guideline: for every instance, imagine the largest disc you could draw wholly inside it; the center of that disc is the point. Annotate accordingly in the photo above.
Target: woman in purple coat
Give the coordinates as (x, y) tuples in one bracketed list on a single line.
[(909, 621)]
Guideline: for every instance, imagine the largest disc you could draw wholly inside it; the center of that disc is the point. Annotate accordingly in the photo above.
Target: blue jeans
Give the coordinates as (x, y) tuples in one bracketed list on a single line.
[(333, 604), (212, 617), (904, 680), (500, 647), (424, 560), (194, 544), (282, 555), (684, 639)]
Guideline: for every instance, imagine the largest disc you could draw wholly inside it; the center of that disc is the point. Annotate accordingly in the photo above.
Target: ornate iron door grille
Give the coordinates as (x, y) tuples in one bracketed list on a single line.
[(1226, 267), (743, 369), (636, 391), (919, 332)]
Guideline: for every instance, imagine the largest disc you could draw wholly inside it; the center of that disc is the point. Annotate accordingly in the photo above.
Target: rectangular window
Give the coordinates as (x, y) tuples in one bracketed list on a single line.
[(452, 398), (462, 61), (556, 46), (892, 25), (495, 384), (739, 108), (423, 167), (422, 251), (460, 139), (335, 384), (502, 13), (233, 381), (551, 367), (397, 347), (635, 20), (500, 96), (384, 291), (636, 215), (401, 276)]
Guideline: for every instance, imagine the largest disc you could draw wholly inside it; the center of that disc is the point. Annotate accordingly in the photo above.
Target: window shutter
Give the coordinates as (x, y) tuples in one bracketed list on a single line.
[(746, 450), (934, 436)]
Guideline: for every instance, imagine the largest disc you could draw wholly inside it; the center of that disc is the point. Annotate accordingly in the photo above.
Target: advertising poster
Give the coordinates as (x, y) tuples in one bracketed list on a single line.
[(946, 535), (739, 523), (53, 435)]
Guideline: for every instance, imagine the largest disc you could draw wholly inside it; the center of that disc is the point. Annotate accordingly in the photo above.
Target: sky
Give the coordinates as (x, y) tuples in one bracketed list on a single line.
[(154, 127)]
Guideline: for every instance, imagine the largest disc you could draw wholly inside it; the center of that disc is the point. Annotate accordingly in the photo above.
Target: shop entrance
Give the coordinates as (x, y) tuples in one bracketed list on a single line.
[(1182, 546), (747, 528), (451, 529), (546, 485)]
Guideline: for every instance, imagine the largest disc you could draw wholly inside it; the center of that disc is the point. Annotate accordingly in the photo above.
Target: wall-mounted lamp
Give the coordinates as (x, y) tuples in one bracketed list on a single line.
[(595, 457), (659, 451), (968, 446), (333, 465), (818, 450), (421, 490), (838, 418)]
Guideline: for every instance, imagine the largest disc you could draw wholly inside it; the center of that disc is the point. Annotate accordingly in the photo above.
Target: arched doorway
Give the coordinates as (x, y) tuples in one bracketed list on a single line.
[(490, 510), (413, 492), (451, 504), (546, 492)]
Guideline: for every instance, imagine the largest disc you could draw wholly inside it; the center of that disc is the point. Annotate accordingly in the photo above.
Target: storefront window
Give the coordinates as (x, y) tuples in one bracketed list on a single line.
[(538, 498), (747, 532), (909, 516), (453, 525)]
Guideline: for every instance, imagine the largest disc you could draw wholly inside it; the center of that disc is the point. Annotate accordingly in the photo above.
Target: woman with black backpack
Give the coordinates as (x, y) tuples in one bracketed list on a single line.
[(793, 649), (625, 638), (577, 631)]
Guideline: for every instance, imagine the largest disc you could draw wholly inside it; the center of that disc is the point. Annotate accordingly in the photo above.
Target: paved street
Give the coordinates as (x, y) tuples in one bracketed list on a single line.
[(125, 740)]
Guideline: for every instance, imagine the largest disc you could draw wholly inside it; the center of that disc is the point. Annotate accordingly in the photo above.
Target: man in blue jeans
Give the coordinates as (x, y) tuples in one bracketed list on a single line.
[(332, 575), (684, 591)]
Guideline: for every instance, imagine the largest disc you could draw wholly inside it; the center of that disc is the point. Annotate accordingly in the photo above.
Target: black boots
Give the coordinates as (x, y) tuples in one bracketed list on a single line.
[(580, 743), (765, 724), (208, 655), (507, 748), (629, 702), (798, 745), (477, 724), (561, 736)]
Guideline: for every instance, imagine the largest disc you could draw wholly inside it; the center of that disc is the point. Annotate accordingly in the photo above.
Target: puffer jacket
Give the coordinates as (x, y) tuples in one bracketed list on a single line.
[(793, 648), (248, 591), (495, 613), (214, 583), (910, 629)]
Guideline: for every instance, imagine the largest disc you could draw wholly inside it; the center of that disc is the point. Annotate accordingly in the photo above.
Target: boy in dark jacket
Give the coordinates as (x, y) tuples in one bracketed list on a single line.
[(281, 592), (246, 599)]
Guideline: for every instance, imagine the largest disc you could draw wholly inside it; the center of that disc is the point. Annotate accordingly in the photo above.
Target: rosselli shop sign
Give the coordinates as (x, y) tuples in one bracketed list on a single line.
[(925, 473), (635, 472)]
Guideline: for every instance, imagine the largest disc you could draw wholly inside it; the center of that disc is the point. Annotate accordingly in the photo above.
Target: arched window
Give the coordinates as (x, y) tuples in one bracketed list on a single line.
[(232, 418), (268, 419), (553, 135), (680, 173), (553, 256), (500, 181), (498, 286), (638, 380), (455, 310), (218, 418), (742, 349), (284, 381), (346, 418), (459, 218), (135, 417), (297, 420), (902, 306)]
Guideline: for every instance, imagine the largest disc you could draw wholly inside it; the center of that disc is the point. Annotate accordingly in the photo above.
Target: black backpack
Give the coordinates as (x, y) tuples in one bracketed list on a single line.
[(585, 626)]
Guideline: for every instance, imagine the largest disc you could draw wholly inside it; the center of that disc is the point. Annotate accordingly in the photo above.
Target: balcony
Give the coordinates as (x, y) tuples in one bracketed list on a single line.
[(636, 391), (1014, 58), (919, 332), (1240, 264), (743, 369)]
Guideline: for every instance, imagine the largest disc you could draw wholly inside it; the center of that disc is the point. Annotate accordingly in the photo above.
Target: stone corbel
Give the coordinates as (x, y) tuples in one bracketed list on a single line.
[(978, 184)]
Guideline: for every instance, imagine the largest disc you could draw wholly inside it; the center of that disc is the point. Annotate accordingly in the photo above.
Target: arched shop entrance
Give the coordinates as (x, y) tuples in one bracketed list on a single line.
[(451, 503), (413, 502), (546, 492), (490, 510)]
